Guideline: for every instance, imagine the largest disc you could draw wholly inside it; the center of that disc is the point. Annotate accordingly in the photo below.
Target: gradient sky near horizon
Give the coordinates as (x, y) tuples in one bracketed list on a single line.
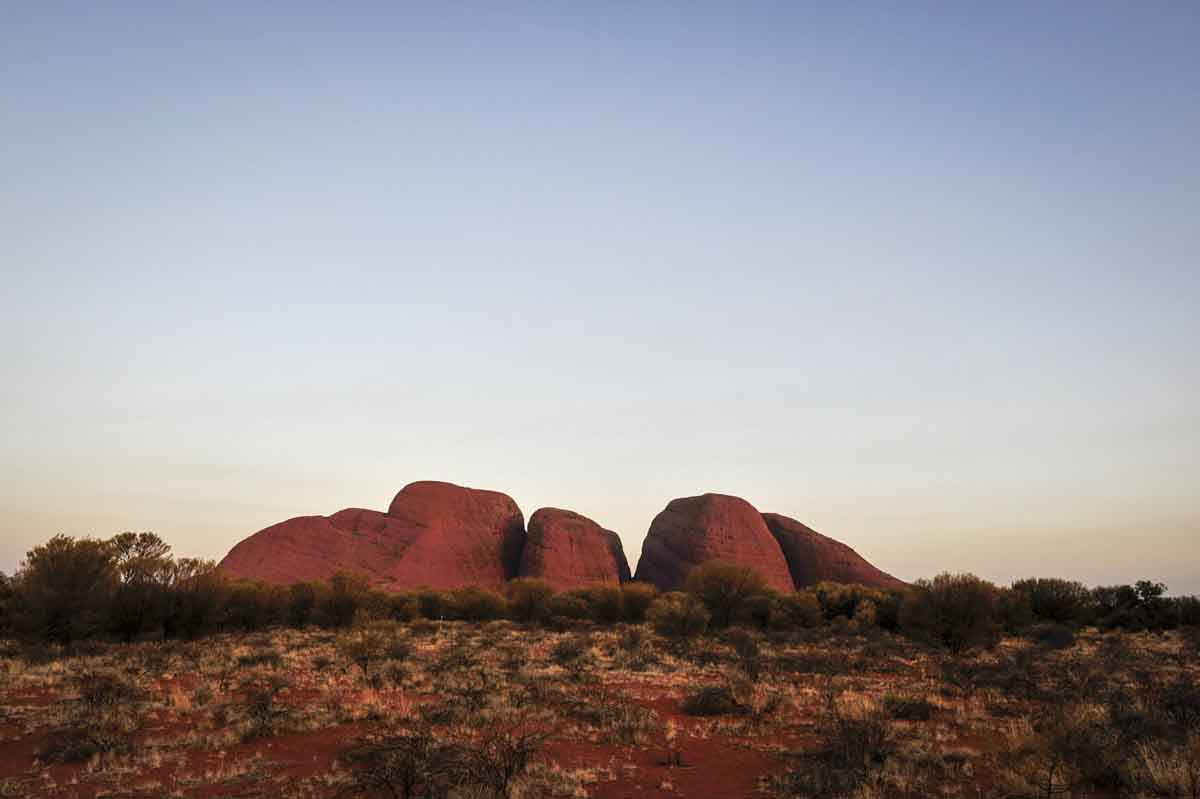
[(924, 276)]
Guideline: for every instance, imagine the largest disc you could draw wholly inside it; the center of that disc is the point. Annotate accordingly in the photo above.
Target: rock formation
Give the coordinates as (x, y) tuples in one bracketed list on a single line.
[(435, 534), (693, 530), (571, 551), (813, 558)]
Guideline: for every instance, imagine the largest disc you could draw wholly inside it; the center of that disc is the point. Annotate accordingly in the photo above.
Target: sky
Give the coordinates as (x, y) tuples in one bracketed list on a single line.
[(926, 277)]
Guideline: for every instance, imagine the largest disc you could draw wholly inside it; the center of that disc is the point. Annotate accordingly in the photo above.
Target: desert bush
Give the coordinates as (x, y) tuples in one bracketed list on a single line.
[(636, 599), (1142, 606), (629, 724), (569, 606), (302, 603), (406, 764), (403, 607), (908, 708), (1070, 748), (264, 714), (269, 658), (1168, 770), (141, 599), (1179, 704), (1053, 636), (103, 719), (570, 650), (370, 643), (858, 744), (6, 598), (954, 610), (529, 599), (800, 610), (63, 590), (342, 599), (713, 700), (502, 753), (724, 588), (1056, 601), (251, 606), (198, 598), (604, 603), (476, 604), (678, 615), (746, 647)]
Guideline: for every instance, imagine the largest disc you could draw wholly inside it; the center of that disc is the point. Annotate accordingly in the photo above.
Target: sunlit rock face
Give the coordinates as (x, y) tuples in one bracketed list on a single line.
[(814, 558), (568, 551), (435, 534), (693, 530)]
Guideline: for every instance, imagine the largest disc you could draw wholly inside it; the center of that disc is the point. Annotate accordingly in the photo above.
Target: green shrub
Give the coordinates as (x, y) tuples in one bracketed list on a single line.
[(604, 603), (801, 610), (907, 708), (1053, 636), (954, 610), (64, 590), (570, 606), (636, 599), (529, 599), (344, 596), (476, 604), (724, 588), (103, 719), (678, 615), (1055, 600), (716, 700)]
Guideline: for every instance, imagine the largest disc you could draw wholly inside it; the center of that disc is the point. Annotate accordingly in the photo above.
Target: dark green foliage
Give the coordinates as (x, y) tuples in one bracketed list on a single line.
[(715, 700), (476, 604), (265, 715), (64, 590), (1055, 600), (1053, 636), (570, 650), (1142, 606), (529, 599), (345, 596), (604, 603), (725, 589), (856, 745), (103, 719), (503, 752), (907, 708), (801, 610), (746, 649), (954, 610), (6, 593), (407, 764), (141, 600), (636, 599), (678, 615)]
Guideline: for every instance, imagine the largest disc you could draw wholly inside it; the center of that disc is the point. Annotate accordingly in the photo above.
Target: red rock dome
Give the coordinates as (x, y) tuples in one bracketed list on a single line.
[(693, 530), (813, 558), (436, 534), (569, 551)]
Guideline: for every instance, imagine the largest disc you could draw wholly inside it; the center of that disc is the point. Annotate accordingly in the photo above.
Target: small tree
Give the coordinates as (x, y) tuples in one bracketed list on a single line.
[(64, 589), (1055, 600), (529, 599), (636, 599), (145, 570), (955, 610), (724, 588), (678, 615)]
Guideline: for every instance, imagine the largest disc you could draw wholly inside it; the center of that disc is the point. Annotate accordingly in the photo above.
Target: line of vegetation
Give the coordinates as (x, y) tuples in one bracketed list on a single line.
[(131, 588)]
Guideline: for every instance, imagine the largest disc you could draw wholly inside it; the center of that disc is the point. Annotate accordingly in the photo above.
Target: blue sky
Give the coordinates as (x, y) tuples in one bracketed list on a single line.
[(925, 277)]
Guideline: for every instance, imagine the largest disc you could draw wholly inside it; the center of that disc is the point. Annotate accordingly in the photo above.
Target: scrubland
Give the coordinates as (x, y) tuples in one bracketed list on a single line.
[(463, 709)]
